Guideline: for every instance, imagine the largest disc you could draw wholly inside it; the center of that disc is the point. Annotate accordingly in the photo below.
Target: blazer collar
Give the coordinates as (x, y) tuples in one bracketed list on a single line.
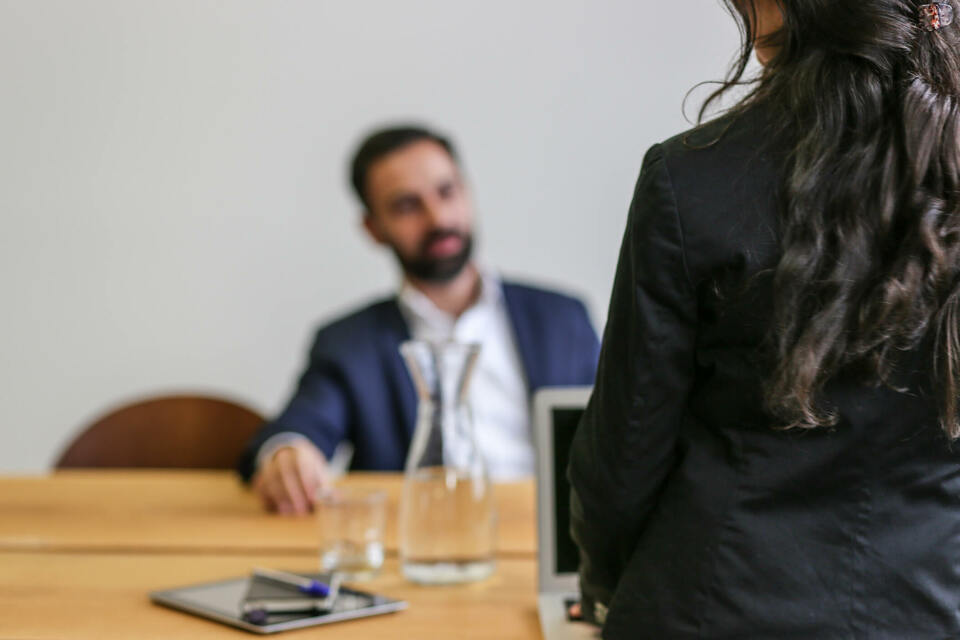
[(393, 331), (525, 334)]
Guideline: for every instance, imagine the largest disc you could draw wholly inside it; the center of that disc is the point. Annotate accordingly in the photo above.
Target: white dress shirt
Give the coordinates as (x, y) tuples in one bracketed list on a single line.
[(498, 390)]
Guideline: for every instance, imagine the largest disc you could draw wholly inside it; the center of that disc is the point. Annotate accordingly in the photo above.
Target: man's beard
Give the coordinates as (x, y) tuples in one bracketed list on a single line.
[(437, 270)]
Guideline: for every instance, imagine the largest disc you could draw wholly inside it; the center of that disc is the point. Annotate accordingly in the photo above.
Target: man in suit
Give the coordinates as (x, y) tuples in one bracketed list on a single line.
[(356, 387)]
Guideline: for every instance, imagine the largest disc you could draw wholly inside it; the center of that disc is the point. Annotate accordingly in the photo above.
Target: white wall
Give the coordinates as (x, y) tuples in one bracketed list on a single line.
[(175, 212)]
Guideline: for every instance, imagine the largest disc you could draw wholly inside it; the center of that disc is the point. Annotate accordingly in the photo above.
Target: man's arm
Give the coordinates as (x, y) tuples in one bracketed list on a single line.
[(625, 446), (290, 476), (286, 460)]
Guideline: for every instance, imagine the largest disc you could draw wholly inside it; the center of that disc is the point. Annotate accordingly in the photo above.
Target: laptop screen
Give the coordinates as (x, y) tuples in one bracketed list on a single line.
[(564, 421)]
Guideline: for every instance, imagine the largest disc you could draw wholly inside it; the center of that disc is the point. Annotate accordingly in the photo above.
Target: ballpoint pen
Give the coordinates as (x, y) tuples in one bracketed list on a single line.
[(340, 460), (304, 585), (258, 611)]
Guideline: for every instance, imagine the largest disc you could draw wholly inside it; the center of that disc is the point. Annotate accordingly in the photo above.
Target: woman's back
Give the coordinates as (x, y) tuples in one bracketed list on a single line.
[(768, 452), (764, 533)]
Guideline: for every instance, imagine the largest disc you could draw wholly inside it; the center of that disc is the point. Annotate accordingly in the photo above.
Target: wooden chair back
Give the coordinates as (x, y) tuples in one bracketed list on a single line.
[(180, 431)]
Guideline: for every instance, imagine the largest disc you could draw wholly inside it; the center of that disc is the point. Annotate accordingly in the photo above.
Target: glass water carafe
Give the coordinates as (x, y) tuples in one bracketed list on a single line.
[(447, 513)]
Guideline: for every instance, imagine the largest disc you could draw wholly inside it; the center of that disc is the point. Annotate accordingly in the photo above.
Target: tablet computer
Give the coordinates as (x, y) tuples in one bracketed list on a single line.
[(223, 601)]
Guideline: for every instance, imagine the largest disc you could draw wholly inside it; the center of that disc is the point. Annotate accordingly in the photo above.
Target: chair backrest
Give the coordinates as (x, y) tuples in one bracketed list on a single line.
[(182, 431)]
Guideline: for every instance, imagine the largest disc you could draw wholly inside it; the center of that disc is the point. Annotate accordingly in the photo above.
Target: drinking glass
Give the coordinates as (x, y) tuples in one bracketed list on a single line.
[(350, 523)]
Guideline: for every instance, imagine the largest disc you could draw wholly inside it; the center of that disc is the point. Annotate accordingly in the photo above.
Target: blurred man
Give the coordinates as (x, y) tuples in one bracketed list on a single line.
[(355, 385)]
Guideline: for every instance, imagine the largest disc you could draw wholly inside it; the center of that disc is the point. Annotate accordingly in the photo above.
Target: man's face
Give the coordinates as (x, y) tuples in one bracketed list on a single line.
[(420, 208)]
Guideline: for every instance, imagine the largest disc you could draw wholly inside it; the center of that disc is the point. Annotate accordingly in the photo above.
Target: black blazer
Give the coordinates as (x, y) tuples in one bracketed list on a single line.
[(695, 516)]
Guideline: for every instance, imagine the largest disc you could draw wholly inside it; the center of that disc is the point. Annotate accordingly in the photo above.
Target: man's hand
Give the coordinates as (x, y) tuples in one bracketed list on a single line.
[(288, 482)]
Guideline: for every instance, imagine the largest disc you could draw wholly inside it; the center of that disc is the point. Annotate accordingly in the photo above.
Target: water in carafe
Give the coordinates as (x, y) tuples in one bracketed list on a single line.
[(447, 513)]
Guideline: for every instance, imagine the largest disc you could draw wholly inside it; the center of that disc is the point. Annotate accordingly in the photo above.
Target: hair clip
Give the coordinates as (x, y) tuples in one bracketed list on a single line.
[(935, 15)]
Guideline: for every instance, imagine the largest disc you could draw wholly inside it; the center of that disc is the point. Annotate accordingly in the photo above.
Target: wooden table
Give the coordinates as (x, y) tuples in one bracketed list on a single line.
[(196, 512), (81, 550), (98, 596)]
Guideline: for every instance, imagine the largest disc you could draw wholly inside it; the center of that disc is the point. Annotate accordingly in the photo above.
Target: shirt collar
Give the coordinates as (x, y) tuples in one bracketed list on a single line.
[(417, 306)]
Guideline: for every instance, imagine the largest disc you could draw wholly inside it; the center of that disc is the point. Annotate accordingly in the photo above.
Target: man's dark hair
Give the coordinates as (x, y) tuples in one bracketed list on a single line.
[(383, 142)]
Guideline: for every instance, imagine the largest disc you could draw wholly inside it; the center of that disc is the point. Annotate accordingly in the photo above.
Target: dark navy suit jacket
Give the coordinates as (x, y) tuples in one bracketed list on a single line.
[(356, 386)]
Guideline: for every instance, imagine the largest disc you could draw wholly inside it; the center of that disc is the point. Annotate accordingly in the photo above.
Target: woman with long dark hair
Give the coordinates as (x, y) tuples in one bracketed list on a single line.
[(770, 447)]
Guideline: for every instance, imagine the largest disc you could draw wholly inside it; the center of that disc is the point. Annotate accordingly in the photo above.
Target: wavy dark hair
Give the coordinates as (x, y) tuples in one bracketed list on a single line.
[(870, 226)]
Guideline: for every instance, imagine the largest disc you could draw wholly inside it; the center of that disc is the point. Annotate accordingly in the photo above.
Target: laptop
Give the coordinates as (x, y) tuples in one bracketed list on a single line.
[(556, 414)]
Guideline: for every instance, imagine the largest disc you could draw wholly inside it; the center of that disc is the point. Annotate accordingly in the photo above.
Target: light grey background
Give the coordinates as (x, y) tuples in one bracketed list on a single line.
[(174, 202)]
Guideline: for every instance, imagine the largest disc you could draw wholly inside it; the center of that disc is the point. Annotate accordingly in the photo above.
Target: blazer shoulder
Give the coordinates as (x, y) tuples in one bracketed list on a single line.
[(538, 305), (755, 122), (723, 179), (356, 329), (702, 136), (721, 145), (540, 297)]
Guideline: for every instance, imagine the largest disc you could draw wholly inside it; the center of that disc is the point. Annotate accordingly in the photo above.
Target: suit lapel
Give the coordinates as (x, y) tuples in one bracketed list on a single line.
[(393, 332), (524, 332)]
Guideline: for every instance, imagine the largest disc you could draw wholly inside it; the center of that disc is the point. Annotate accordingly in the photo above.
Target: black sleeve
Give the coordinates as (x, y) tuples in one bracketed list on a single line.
[(625, 445)]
